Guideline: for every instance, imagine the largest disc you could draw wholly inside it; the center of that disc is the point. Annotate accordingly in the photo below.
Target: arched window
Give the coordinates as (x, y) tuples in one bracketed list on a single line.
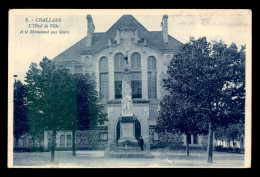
[(103, 78), (136, 75), (136, 61), (151, 68), (118, 75)]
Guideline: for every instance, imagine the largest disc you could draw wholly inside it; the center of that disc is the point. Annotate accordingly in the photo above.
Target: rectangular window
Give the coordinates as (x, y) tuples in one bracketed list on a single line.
[(118, 85), (62, 140), (104, 92), (136, 84), (195, 139), (68, 140), (152, 92), (118, 89), (136, 89)]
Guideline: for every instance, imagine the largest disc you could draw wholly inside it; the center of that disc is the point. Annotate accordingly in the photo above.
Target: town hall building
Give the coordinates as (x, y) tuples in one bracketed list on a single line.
[(128, 63)]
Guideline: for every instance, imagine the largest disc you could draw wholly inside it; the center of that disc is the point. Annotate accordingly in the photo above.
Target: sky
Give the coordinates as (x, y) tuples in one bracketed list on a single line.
[(227, 25)]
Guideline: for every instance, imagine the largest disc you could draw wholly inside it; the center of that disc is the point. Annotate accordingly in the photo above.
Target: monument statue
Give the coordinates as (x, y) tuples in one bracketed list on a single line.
[(127, 98), (127, 103)]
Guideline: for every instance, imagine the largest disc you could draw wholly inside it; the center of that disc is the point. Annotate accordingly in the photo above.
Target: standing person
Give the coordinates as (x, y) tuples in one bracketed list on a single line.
[(141, 143)]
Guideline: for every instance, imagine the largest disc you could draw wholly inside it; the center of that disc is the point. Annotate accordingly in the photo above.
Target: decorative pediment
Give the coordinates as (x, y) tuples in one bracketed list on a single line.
[(127, 34)]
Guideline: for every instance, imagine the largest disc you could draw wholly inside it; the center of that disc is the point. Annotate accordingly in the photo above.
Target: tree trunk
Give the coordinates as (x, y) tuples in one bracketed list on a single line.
[(53, 144), (187, 145), (166, 140), (74, 141), (241, 143), (33, 140), (16, 141), (210, 143)]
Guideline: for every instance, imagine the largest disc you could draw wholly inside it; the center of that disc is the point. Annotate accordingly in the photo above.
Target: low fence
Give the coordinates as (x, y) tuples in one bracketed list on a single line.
[(97, 139), (85, 140), (220, 148), (26, 143)]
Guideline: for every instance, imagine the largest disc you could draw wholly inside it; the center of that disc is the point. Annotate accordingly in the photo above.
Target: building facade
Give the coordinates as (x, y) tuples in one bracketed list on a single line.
[(102, 57)]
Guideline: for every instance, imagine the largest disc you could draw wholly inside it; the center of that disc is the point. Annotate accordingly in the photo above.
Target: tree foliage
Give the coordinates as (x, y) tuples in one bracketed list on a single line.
[(59, 100), (206, 88), (90, 111), (50, 97), (230, 133), (20, 119)]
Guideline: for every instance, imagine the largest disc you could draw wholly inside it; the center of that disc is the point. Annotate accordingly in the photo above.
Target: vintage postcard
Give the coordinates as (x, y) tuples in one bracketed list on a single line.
[(125, 88)]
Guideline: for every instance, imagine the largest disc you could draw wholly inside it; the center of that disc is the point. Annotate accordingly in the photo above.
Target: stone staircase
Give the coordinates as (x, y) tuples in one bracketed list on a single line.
[(127, 152)]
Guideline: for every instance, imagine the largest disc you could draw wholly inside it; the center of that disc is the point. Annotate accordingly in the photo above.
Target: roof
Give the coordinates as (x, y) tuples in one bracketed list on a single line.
[(75, 50), (100, 40), (156, 39)]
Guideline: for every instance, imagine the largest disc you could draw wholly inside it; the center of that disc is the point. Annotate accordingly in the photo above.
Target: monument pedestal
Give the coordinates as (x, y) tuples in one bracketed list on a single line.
[(127, 131), (127, 145)]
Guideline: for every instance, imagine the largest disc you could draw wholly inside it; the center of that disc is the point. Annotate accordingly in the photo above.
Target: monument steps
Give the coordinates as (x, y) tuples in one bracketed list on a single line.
[(141, 154), (127, 150)]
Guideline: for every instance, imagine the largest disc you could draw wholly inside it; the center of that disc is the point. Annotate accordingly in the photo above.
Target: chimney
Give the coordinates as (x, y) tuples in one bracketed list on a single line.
[(164, 26), (91, 29)]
